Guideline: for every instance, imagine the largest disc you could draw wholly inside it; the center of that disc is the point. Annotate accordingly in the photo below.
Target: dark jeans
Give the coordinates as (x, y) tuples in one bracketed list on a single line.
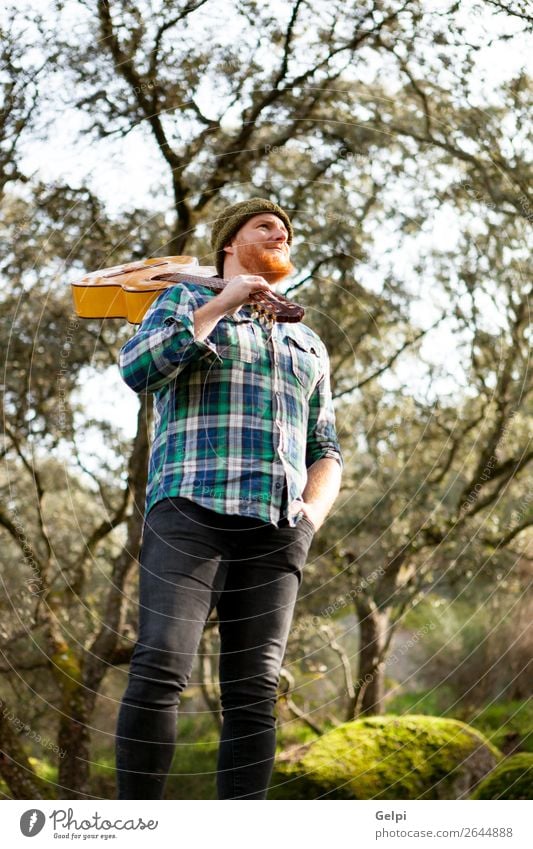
[(192, 560)]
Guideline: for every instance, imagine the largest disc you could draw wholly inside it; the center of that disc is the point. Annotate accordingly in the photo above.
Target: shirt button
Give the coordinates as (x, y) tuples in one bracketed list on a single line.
[(278, 486)]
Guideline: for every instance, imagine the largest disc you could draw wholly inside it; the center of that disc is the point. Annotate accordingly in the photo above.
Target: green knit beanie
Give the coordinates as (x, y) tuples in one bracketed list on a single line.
[(233, 217)]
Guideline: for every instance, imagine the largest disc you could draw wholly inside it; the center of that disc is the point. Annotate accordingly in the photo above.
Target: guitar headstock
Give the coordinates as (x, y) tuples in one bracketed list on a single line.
[(275, 307)]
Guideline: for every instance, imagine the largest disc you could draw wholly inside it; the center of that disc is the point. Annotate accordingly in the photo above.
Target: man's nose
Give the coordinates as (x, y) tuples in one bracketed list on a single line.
[(279, 235)]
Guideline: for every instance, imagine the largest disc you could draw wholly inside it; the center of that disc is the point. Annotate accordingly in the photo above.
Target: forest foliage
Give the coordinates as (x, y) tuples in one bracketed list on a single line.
[(407, 177)]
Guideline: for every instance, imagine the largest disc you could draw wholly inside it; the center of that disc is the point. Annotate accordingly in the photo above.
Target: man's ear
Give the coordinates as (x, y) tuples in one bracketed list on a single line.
[(229, 249)]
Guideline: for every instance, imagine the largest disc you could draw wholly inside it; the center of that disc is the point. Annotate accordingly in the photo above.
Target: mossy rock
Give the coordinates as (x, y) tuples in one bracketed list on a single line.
[(388, 757), (511, 779)]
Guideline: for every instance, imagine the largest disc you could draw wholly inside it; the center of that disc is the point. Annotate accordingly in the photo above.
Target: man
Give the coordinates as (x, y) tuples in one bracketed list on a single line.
[(244, 467)]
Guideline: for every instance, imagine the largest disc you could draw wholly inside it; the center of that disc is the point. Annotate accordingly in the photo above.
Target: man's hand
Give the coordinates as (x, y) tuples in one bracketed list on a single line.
[(236, 293), (238, 290), (313, 513)]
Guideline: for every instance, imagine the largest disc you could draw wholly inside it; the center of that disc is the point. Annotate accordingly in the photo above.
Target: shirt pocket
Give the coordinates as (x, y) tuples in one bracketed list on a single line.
[(305, 362), (236, 342)]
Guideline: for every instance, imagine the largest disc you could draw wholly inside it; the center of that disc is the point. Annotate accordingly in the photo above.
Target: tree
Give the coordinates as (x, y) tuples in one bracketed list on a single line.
[(43, 453)]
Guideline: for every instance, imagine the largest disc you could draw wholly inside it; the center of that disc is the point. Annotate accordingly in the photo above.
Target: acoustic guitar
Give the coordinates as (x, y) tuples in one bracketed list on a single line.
[(128, 290)]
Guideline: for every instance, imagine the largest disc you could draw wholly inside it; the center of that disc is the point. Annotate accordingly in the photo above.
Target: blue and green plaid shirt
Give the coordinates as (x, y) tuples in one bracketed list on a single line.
[(239, 416)]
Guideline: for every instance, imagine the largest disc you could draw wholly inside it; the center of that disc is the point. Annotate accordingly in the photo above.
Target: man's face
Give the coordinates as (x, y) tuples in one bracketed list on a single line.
[(261, 247)]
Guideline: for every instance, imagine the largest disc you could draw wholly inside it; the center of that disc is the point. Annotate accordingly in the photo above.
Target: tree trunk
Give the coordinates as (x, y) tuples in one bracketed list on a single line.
[(79, 702), (74, 740), (177, 243), (208, 686), (367, 699), (15, 767)]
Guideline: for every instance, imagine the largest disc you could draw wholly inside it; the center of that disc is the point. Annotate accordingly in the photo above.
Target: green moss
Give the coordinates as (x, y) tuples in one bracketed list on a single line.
[(511, 779), (389, 757), (67, 670), (46, 773), (45, 770)]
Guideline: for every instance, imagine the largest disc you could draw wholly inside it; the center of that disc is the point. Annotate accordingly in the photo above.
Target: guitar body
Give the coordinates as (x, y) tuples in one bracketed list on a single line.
[(127, 291)]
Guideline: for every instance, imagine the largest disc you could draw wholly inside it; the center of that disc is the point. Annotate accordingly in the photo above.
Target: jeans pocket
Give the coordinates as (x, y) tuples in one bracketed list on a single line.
[(307, 522), (173, 512)]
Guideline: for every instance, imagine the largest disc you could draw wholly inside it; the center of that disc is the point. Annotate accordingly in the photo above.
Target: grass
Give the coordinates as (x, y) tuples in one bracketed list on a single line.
[(193, 771), (430, 702), (506, 722)]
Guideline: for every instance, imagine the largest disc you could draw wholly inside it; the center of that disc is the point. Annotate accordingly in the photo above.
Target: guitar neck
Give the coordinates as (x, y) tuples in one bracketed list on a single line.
[(214, 283), (278, 306)]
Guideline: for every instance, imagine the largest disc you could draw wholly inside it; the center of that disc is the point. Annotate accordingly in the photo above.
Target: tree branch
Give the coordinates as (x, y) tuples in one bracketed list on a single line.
[(389, 362), (286, 687)]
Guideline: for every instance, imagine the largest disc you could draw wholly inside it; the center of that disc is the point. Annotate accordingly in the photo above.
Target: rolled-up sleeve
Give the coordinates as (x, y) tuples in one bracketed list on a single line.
[(322, 438), (164, 345)]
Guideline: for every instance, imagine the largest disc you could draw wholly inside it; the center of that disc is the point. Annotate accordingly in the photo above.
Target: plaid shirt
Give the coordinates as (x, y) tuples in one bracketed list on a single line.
[(240, 415)]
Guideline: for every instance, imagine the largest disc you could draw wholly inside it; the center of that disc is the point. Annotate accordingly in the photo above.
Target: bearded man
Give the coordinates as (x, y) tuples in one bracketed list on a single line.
[(244, 467)]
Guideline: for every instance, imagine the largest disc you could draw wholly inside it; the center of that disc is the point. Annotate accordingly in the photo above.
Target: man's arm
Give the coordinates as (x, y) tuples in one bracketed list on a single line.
[(321, 490), (323, 455), (174, 333)]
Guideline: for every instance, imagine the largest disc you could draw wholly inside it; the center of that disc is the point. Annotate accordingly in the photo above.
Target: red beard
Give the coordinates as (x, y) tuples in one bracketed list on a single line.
[(272, 265)]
